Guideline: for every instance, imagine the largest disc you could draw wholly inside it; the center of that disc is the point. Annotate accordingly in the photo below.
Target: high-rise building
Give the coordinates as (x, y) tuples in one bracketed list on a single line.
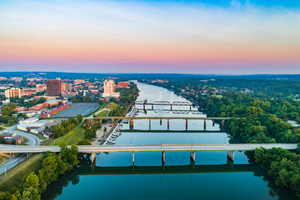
[(53, 87), (68, 86), (13, 92), (109, 89), (63, 87)]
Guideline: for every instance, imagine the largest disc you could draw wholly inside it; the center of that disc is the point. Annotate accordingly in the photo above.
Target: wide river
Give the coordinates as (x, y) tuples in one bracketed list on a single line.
[(211, 177)]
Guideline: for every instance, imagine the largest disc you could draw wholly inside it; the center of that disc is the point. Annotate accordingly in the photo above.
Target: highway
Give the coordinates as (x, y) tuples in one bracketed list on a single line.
[(33, 141), (147, 148)]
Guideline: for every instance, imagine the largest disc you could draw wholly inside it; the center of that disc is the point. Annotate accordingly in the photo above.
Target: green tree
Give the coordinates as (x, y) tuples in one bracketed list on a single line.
[(31, 180)]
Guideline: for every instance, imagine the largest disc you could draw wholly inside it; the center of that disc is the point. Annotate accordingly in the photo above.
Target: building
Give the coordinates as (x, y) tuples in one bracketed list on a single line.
[(109, 89), (19, 109), (78, 81), (123, 84), (63, 88), (53, 87), (32, 79), (28, 92), (13, 92), (17, 79), (66, 86), (10, 137)]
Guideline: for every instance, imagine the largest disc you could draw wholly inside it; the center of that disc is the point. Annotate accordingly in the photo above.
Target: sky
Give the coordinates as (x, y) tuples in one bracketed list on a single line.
[(195, 37)]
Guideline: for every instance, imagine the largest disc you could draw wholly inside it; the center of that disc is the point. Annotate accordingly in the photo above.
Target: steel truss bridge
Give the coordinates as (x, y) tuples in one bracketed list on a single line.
[(164, 103), (166, 111)]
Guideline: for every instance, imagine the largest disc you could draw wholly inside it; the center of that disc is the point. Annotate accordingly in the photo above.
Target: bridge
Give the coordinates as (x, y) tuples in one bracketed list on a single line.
[(175, 112), (131, 119), (192, 148), (164, 103)]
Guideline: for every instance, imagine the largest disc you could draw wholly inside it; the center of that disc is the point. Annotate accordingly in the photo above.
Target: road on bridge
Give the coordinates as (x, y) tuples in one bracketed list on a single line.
[(148, 148)]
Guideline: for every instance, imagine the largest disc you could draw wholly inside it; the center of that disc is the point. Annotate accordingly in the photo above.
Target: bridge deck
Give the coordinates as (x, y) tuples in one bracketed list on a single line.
[(147, 148)]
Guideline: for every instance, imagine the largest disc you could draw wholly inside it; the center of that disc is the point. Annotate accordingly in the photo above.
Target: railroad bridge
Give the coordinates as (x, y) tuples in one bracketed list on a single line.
[(163, 103)]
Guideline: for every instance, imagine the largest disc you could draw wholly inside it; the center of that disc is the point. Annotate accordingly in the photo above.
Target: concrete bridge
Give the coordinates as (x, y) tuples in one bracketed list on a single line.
[(131, 120), (192, 148)]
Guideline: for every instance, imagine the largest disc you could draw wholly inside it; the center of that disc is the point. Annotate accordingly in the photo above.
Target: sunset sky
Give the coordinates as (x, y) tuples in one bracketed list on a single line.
[(211, 37)]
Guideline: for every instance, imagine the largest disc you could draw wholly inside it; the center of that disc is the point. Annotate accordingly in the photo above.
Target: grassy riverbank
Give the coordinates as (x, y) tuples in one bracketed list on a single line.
[(16, 174)]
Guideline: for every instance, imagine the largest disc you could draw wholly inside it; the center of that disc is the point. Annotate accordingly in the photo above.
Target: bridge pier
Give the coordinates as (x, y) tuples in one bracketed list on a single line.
[(149, 124), (230, 163), (163, 157), (204, 124), (133, 158), (186, 124), (193, 156), (144, 106), (131, 124), (190, 107), (168, 124), (152, 106), (93, 157), (213, 123), (230, 154), (171, 106), (223, 123), (160, 121)]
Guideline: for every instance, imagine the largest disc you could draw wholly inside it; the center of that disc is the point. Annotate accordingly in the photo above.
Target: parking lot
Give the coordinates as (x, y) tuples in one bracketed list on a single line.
[(83, 109)]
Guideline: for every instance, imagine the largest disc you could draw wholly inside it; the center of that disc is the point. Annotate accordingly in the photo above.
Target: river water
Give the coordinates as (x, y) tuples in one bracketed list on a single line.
[(211, 177)]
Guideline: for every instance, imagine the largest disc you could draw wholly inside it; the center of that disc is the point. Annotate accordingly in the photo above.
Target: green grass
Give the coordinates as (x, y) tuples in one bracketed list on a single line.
[(112, 106), (72, 137), (15, 175), (103, 113), (3, 159), (37, 135)]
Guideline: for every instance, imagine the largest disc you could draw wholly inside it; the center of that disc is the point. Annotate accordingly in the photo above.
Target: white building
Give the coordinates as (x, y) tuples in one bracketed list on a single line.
[(13, 92), (109, 89)]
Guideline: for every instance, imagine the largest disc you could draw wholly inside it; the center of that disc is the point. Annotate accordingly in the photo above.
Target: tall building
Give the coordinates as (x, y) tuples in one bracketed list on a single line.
[(109, 89), (68, 86), (53, 87), (13, 92), (63, 87)]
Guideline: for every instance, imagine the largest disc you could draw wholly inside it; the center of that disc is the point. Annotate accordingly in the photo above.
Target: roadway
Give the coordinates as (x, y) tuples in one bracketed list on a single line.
[(33, 141), (147, 148)]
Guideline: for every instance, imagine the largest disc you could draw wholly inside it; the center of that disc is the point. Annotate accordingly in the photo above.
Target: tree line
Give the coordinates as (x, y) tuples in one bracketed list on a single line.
[(53, 165)]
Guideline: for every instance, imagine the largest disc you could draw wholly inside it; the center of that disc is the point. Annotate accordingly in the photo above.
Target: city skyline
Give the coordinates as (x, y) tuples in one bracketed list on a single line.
[(215, 37)]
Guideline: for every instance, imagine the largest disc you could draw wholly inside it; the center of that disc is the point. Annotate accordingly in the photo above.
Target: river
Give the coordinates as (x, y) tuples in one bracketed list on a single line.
[(211, 177)]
